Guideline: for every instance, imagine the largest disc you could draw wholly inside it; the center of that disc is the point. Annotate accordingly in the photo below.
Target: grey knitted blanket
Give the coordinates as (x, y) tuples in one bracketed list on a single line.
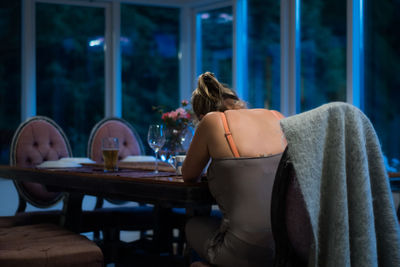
[(339, 166)]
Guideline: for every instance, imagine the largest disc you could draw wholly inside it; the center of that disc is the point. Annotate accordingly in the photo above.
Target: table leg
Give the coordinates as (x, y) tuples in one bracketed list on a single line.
[(72, 212), (162, 235)]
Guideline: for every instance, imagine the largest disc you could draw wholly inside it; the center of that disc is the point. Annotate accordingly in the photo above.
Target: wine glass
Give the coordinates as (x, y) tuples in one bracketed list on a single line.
[(156, 140)]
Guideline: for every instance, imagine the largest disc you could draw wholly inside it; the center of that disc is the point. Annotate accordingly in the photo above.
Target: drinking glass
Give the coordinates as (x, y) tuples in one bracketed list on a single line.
[(156, 140), (110, 147)]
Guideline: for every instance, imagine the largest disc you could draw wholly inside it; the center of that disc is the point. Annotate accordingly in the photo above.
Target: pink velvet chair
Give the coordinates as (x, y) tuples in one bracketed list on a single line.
[(129, 143), (36, 140), (139, 218), (27, 239)]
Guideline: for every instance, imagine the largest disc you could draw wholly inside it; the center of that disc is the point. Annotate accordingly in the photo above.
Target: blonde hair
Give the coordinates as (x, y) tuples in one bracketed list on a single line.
[(211, 95)]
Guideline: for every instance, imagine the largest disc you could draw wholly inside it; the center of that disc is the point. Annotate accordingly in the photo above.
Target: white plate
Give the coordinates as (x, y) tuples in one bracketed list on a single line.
[(51, 164), (77, 160), (139, 158)]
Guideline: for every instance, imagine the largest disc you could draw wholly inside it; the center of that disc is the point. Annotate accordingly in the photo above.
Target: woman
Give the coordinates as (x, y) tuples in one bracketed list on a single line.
[(245, 146)]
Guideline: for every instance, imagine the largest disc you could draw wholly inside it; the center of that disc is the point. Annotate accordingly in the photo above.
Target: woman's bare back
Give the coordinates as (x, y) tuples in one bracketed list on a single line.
[(256, 132)]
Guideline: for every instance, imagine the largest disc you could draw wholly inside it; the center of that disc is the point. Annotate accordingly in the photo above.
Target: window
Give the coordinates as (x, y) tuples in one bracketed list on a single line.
[(150, 65), (70, 69), (323, 52), (382, 80), (10, 74), (264, 54), (214, 43)]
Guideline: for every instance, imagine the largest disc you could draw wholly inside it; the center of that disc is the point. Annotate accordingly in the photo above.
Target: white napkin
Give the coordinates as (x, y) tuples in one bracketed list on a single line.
[(58, 164), (139, 158), (77, 160)]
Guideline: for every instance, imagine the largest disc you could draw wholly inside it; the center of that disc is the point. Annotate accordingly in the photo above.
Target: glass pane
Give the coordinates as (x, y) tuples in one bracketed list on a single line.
[(70, 69), (382, 80), (264, 53), (323, 52), (214, 43), (150, 65), (10, 74)]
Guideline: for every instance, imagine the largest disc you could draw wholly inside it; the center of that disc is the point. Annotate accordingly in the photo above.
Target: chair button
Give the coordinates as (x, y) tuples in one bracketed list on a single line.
[(35, 144)]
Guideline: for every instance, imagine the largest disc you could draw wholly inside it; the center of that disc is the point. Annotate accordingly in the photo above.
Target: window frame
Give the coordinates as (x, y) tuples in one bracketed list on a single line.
[(290, 50), (112, 103)]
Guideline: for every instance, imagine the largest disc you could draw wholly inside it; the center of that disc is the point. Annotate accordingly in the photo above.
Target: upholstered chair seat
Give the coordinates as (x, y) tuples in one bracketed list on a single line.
[(46, 245)]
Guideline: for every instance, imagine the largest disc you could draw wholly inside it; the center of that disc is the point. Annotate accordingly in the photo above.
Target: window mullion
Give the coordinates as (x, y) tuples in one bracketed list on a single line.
[(112, 67), (355, 53), (290, 57), (28, 58), (239, 66)]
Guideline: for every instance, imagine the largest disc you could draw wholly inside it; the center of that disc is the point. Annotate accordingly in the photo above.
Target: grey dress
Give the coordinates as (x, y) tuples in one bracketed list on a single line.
[(242, 188)]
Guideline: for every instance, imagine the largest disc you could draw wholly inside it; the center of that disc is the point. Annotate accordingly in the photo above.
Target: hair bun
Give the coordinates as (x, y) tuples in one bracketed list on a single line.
[(208, 76), (211, 87), (210, 95)]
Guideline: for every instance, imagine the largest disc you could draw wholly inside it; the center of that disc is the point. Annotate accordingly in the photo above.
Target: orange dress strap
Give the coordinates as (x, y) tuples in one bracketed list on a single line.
[(228, 136), (275, 113)]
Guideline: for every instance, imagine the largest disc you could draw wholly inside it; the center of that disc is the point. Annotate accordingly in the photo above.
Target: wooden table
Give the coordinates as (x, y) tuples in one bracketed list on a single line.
[(165, 189)]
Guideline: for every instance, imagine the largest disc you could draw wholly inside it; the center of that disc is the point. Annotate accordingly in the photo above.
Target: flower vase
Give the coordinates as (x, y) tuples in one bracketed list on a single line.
[(177, 142)]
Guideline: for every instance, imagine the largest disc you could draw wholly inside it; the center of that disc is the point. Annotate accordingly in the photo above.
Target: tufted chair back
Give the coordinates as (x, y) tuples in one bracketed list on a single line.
[(129, 141), (293, 238), (36, 140)]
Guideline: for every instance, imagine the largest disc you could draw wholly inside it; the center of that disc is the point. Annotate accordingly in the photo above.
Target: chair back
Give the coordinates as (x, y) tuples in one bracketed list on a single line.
[(36, 140), (291, 226), (129, 141)]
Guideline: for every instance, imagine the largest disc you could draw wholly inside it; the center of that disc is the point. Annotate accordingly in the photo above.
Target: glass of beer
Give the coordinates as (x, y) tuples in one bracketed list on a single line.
[(110, 147)]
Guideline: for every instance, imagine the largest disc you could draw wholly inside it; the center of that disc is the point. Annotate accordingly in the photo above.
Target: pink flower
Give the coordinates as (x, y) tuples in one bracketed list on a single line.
[(173, 115), (178, 118), (164, 115), (181, 113)]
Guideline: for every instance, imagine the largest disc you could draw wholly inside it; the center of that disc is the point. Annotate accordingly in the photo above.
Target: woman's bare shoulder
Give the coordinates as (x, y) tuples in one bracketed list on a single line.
[(247, 112), (209, 122), (267, 112), (259, 110), (211, 118)]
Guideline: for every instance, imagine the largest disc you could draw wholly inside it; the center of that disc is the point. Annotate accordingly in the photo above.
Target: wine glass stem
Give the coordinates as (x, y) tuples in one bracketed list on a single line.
[(156, 168)]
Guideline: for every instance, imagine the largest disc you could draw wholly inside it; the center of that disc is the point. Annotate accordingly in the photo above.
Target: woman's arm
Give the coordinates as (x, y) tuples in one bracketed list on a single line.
[(198, 154)]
